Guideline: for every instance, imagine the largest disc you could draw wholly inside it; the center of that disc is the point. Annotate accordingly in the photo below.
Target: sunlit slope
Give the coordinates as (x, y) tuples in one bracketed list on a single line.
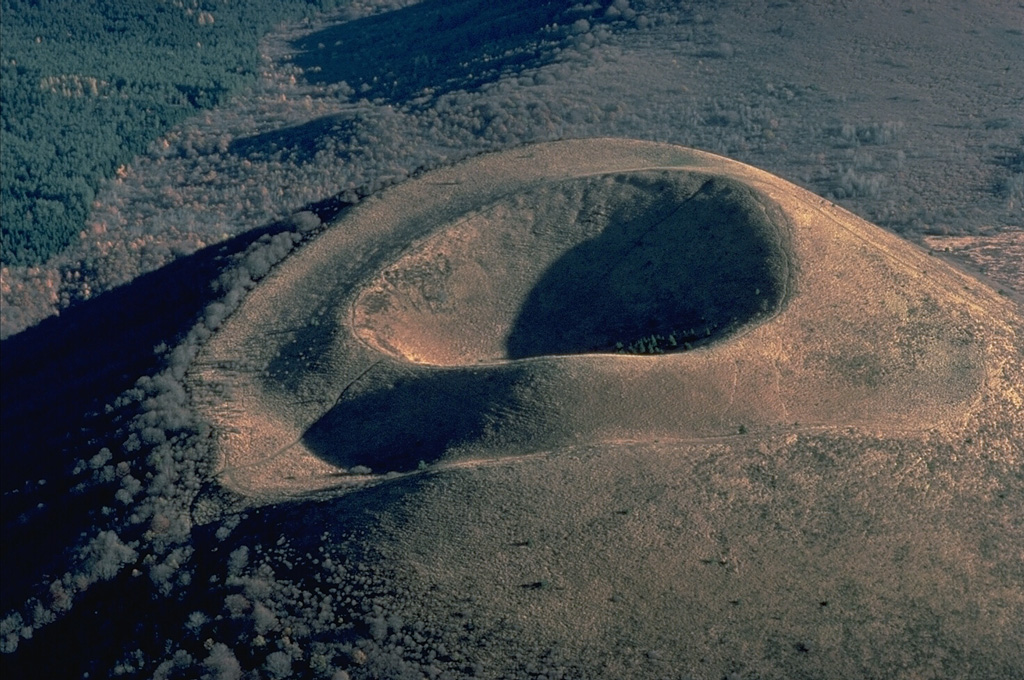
[(479, 312)]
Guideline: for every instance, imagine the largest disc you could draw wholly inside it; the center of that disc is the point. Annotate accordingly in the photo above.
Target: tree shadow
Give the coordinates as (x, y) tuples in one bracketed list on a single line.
[(436, 45), (686, 264), (395, 419), (296, 144)]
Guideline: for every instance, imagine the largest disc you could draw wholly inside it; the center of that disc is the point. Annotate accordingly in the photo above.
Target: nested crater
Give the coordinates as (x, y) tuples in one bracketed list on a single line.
[(637, 262)]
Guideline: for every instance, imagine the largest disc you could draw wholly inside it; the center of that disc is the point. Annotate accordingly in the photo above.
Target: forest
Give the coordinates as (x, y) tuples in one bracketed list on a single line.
[(86, 86)]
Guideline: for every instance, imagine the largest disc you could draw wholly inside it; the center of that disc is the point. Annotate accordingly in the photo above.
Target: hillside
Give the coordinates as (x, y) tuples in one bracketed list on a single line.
[(775, 498), (544, 340)]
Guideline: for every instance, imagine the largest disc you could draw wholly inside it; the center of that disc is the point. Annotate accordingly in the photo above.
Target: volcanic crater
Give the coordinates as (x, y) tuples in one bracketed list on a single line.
[(479, 365), (644, 262), (578, 293)]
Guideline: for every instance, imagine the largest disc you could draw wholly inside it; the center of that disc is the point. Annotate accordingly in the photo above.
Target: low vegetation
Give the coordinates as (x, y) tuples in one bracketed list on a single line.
[(658, 343)]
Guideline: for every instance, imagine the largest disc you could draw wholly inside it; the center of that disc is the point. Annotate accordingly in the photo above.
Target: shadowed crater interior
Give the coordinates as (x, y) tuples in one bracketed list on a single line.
[(393, 419), (640, 262)]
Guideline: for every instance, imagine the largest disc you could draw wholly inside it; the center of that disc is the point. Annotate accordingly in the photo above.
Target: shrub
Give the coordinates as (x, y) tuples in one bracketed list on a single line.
[(278, 665), (221, 664)]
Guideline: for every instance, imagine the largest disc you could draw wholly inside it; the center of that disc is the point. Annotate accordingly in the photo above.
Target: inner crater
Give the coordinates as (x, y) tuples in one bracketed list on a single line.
[(645, 262)]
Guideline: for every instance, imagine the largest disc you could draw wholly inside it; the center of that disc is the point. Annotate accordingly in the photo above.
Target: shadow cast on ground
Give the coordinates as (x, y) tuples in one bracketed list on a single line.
[(59, 376), (296, 144), (397, 419), (688, 269), (436, 45)]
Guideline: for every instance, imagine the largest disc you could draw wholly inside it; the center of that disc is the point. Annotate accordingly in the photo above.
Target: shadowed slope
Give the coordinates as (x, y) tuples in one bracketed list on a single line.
[(63, 396), (686, 267)]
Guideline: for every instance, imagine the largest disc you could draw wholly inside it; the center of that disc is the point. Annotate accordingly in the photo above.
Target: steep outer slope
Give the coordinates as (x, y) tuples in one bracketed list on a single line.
[(430, 323), (827, 484)]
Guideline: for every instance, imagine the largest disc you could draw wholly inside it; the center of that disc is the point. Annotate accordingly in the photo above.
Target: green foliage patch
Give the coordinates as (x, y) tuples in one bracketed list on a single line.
[(661, 343), (85, 86)]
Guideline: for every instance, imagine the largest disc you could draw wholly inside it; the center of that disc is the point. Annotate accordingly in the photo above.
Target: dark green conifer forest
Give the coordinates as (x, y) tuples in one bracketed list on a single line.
[(88, 85)]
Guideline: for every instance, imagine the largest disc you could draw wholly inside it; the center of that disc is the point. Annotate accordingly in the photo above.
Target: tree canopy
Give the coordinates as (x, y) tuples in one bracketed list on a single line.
[(85, 87)]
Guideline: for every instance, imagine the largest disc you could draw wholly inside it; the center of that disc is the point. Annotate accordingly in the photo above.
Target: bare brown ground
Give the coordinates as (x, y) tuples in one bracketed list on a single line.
[(820, 487)]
